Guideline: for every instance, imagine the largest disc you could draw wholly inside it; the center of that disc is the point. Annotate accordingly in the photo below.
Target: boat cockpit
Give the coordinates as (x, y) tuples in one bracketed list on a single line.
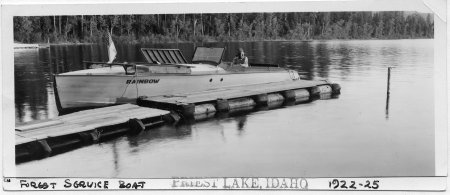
[(206, 60)]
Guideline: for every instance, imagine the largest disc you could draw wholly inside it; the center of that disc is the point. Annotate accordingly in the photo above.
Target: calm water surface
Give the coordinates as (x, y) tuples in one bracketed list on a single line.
[(353, 135)]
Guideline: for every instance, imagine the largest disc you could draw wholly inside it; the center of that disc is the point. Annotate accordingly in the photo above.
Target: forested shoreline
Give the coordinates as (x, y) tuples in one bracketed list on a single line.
[(164, 28)]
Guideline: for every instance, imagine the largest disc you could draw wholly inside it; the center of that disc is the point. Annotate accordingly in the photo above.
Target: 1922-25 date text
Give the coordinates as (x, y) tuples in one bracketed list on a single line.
[(341, 184)]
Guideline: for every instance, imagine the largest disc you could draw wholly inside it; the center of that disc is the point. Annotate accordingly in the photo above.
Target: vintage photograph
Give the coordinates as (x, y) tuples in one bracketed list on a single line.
[(238, 94)]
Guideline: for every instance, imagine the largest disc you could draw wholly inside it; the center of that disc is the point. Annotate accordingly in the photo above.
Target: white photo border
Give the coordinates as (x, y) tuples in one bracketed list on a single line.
[(10, 9)]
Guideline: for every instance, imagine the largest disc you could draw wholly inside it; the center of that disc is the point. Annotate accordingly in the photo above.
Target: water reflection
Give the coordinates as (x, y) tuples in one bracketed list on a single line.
[(241, 123), (115, 158), (135, 143), (168, 134), (298, 140), (313, 60), (30, 87)]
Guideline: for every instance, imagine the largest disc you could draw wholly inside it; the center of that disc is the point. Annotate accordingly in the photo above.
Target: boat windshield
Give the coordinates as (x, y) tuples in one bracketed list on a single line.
[(208, 55)]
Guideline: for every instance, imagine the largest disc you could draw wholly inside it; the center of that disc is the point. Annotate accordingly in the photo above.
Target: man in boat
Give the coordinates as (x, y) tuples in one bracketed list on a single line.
[(240, 58)]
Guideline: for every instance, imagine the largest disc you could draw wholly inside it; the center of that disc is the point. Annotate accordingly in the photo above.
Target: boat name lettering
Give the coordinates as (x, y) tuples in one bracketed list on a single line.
[(142, 81)]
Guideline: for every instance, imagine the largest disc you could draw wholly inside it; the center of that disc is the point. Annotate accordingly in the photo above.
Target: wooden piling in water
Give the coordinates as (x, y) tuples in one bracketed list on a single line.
[(388, 91), (388, 80)]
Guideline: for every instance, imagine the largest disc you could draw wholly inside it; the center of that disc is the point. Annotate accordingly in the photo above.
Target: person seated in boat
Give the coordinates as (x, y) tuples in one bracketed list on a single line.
[(240, 58)]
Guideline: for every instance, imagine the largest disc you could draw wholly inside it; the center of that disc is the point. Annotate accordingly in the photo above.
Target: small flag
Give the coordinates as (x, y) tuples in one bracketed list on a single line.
[(112, 52)]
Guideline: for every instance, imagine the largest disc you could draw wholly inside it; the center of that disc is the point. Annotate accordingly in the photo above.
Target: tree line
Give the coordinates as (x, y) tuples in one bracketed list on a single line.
[(223, 27)]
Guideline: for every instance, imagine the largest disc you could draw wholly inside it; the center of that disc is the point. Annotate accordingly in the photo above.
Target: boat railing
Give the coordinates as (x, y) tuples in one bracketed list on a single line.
[(131, 68), (105, 64), (264, 65)]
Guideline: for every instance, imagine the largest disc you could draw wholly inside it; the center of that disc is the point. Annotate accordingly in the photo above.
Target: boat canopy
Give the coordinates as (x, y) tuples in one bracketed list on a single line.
[(208, 55), (163, 56)]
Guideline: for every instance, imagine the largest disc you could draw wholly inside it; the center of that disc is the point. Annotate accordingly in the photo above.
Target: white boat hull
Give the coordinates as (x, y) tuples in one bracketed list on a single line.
[(82, 91)]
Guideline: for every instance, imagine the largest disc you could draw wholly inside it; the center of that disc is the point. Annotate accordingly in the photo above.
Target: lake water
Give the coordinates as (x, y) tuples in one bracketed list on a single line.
[(350, 136)]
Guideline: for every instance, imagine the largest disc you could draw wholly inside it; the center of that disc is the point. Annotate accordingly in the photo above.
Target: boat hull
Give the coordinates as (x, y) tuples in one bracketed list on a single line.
[(85, 91)]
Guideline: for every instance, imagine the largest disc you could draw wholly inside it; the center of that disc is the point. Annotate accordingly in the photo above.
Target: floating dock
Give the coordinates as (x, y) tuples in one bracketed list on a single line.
[(43, 138), (239, 97), (40, 139)]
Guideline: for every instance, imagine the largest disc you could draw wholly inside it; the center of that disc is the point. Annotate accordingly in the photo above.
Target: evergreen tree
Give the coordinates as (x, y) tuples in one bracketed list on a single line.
[(224, 27)]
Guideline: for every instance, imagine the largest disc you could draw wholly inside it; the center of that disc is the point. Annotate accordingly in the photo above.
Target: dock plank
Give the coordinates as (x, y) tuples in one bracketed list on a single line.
[(97, 112), (21, 139), (234, 92), (55, 131), (83, 121), (39, 125)]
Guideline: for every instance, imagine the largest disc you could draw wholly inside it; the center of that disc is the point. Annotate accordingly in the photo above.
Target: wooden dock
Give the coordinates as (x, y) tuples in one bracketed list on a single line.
[(224, 99), (44, 138)]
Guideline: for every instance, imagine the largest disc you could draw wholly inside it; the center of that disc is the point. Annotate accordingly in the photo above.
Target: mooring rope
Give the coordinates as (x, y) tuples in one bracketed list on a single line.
[(137, 90)]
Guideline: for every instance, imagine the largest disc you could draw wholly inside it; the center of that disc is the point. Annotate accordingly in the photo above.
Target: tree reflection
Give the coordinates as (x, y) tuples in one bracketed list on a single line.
[(30, 87), (323, 59)]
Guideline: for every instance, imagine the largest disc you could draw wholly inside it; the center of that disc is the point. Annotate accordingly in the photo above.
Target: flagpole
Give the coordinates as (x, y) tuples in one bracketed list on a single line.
[(109, 43)]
